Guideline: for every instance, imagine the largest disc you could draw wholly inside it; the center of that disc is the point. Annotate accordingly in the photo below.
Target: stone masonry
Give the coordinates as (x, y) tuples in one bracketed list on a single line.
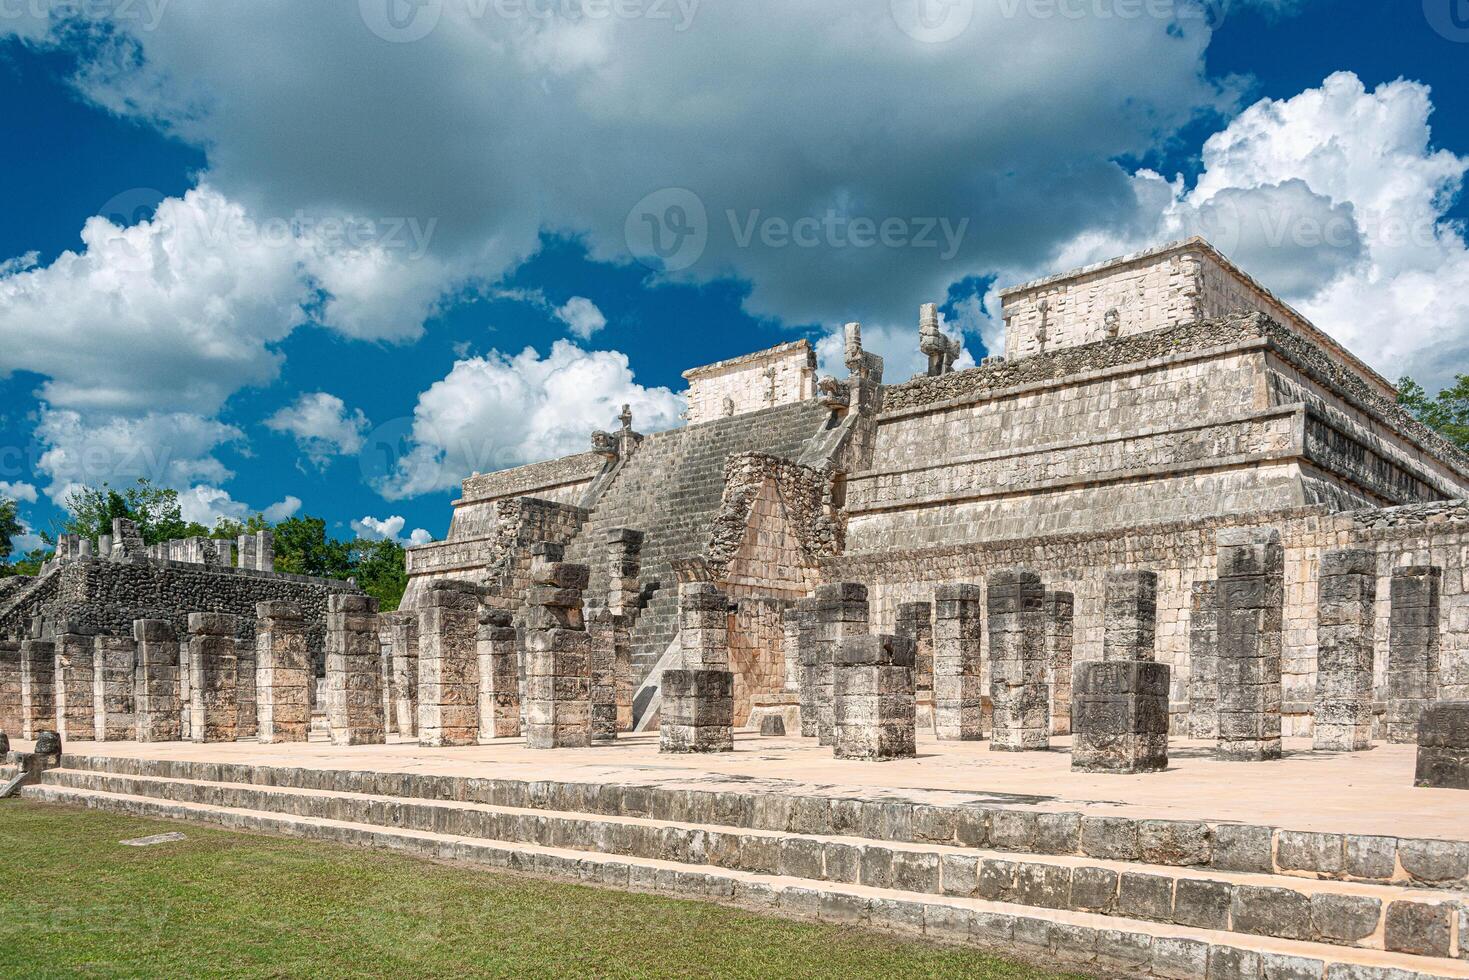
[(698, 711), (1347, 594), (113, 664), (1251, 596), (703, 615), (1060, 614), (282, 669), (448, 664), (957, 662), (10, 716), (558, 681), (915, 622), (1130, 615), (874, 688), (1443, 746), (213, 675), (602, 626), (354, 696), (76, 719), (1412, 649), (808, 663), (247, 697), (402, 634), (1015, 617), (499, 676), (1120, 703), (156, 681), (37, 685), (1203, 679), (841, 612)]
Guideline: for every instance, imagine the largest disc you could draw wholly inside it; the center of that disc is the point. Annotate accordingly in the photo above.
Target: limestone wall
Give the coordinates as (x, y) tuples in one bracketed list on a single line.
[(767, 378), (756, 651), (562, 481)]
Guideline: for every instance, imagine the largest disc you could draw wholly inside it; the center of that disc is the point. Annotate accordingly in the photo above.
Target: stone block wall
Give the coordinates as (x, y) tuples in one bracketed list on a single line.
[(757, 651), (749, 383)]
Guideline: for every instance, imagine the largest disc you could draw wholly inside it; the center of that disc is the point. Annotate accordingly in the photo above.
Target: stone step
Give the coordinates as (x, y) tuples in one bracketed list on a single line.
[(1366, 915), (1076, 940)]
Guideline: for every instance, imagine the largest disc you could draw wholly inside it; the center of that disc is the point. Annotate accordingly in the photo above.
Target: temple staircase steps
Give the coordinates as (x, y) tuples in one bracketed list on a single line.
[(1104, 916)]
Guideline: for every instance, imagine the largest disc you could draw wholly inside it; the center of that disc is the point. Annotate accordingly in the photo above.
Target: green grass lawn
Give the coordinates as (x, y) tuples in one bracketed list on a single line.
[(74, 901)]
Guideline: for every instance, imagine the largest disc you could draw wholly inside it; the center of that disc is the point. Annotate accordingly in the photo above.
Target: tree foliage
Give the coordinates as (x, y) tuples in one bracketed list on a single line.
[(9, 527), (1447, 412), (90, 512)]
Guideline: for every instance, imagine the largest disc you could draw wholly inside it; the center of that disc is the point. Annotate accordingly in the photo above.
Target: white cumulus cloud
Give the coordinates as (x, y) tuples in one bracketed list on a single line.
[(18, 491), (581, 317), (322, 426), (389, 529)]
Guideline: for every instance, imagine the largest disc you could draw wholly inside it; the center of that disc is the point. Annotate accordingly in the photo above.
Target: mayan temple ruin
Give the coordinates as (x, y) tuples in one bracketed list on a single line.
[(1141, 650)]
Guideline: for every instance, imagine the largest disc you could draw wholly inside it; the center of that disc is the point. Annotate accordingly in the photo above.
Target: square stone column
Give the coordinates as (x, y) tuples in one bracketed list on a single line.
[(703, 626), (1060, 619), (602, 629), (10, 717), (402, 634), (156, 681), (246, 665), (1345, 620), (1130, 615), (245, 551), (1412, 649), (386, 681), (214, 677), (915, 622), (623, 686), (558, 675), (448, 664), (1119, 716), (1203, 661), (808, 663), (875, 693), (624, 568), (282, 673), (499, 676), (114, 660), (354, 696), (698, 711), (1251, 600), (1443, 746), (1015, 602), (76, 717), (841, 612), (37, 685), (958, 662)]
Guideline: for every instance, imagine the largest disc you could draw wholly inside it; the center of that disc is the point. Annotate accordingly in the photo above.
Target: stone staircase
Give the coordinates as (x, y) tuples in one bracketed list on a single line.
[(1104, 895), (671, 490)]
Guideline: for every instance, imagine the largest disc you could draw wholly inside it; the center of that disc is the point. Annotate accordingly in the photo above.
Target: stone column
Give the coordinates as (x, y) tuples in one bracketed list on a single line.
[(245, 547), (186, 692), (841, 612), (354, 696), (113, 666), (1130, 615), (1018, 692), (499, 676), (1443, 747), (248, 698), (558, 679), (37, 685), (448, 664), (1119, 712), (156, 681), (1345, 621), (386, 682), (282, 673), (698, 711), (1060, 617), (624, 568), (875, 698), (76, 719), (1412, 649), (1251, 603), (623, 686), (1203, 661), (808, 665), (10, 716), (402, 633), (915, 623), (214, 677), (602, 629), (265, 551), (703, 626), (958, 630)]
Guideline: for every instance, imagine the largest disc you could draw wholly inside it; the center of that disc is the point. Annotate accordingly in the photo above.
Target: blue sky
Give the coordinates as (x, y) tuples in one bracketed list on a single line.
[(331, 258)]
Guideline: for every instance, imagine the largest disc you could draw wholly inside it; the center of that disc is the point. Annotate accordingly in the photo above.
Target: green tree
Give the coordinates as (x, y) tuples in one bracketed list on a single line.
[(303, 548), (227, 529), (91, 510), (9, 527), (382, 571), (1448, 412)]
